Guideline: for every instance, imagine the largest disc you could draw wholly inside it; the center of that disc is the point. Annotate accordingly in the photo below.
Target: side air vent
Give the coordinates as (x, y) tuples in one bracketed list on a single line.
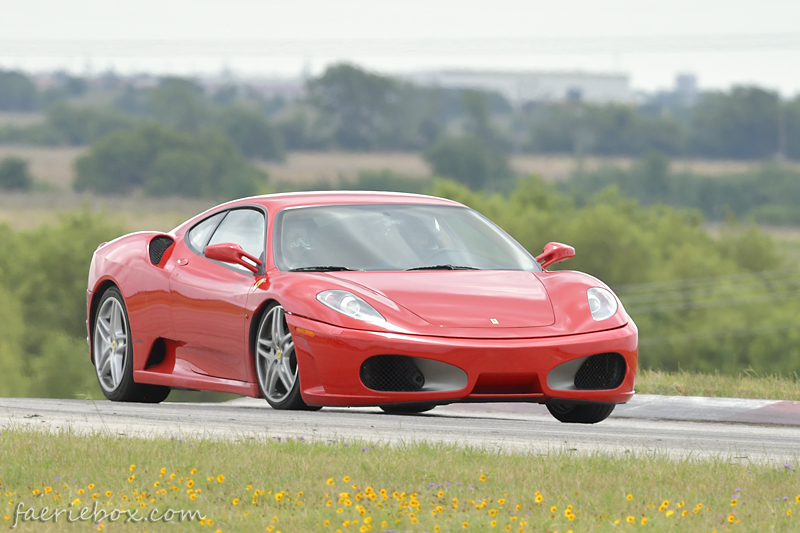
[(602, 371), (395, 373), (158, 246)]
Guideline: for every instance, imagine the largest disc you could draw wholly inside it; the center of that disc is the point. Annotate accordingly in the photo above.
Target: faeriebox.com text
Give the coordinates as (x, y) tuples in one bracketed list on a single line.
[(93, 514)]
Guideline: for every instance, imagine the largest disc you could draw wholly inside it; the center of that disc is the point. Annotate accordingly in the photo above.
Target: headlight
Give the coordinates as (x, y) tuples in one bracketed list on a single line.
[(602, 303), (351, 305)]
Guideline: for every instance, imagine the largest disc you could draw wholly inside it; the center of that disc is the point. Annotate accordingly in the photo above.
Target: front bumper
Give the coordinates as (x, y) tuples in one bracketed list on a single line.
[(498, 370)]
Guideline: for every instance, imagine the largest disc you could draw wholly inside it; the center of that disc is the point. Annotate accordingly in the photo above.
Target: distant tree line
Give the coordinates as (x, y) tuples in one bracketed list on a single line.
[(465, 135), (349, 108), (18, 93), (769, 194)]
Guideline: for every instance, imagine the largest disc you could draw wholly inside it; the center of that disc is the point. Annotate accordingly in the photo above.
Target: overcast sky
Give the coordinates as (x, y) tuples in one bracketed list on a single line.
[(722, 42)]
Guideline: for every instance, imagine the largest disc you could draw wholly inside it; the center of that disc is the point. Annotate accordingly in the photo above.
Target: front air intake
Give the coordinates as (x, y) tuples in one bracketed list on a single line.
[(392, 373), (158, 246), (602, 371)]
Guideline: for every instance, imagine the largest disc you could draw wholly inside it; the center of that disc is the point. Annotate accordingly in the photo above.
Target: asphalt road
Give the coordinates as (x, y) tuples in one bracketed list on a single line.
[(531, 430)]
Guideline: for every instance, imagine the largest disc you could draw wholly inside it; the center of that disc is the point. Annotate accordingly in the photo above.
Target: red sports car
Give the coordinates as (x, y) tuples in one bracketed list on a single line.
[(355, 298)]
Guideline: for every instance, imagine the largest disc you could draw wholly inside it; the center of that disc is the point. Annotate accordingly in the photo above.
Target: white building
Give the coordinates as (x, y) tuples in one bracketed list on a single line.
[(522, 87)]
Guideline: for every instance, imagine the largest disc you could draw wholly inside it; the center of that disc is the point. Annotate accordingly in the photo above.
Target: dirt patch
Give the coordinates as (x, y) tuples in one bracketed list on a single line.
[(8, 118), (51, 165), (560, 167)]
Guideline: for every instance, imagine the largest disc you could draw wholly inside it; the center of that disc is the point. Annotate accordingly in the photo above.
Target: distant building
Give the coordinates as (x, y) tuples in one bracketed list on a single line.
[(686, 86), (523, 87), (684, 94)]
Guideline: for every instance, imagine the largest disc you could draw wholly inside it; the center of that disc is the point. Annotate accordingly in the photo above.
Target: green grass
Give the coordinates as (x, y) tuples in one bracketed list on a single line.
[(300, 486), (744, 385)]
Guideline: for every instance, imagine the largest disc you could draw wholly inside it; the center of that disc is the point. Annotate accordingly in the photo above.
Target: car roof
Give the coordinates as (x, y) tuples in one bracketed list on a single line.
[(279, 201)]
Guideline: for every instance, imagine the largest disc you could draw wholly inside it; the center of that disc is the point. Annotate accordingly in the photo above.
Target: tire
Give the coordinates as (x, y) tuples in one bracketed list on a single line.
[(590, 413), (276, 362), (407, 408), (112, 352)]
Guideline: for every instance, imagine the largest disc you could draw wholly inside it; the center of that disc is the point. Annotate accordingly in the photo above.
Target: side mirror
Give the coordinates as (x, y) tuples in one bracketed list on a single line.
[(228, 252), (555, 252)]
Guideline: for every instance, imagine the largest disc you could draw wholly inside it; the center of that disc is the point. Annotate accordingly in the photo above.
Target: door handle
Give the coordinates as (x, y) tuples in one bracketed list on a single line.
[(183, 262)]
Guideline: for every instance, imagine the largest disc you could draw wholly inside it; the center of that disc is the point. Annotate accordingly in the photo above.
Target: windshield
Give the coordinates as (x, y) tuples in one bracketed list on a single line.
[(393, 237)]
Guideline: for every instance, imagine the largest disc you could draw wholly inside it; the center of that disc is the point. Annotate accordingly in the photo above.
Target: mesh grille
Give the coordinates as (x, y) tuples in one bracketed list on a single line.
[(600, 372), (392, 373), (158, 246)]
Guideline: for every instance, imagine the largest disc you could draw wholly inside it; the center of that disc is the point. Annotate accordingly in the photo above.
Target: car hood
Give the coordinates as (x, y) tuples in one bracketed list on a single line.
[(463, 298)]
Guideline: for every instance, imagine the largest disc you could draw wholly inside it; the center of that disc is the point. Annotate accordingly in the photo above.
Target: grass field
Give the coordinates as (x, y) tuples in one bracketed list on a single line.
[(28, 210), (305, 486), (744, 385)]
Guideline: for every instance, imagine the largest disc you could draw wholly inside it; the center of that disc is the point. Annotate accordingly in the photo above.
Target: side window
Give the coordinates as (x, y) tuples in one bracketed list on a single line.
[(198, 235), (245, 227)]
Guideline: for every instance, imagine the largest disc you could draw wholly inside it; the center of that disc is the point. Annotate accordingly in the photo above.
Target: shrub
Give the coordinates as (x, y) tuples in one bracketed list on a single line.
[(14, 174)]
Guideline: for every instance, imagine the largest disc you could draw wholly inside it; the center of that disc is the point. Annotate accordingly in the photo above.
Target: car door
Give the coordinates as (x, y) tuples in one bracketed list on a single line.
[(208, 298)]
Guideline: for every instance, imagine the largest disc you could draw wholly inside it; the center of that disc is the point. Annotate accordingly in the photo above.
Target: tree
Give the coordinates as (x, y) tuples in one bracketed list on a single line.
[(83, 125), (742, 124), (366, 111), (12, 380), (17, 92), (63, 370), (303, 128), (118, 162), (609, 129), (14, 174), (252, 134), (178, 103), (790, 124), (167, 162), (360, 106), (469, 160)]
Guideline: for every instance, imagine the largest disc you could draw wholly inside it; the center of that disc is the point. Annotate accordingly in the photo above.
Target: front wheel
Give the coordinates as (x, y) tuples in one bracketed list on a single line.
[(113, 354), (276, 362), (580, 413)]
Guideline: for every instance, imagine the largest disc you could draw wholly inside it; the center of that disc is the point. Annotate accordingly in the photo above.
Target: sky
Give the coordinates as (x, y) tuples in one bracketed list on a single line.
[(723, 43)]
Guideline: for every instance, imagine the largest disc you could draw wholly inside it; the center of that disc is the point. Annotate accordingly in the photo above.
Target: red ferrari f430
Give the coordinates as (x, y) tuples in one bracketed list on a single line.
[(351, 299)]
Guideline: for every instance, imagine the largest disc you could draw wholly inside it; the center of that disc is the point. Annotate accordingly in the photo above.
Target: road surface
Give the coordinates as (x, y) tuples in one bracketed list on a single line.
[(651, 424)]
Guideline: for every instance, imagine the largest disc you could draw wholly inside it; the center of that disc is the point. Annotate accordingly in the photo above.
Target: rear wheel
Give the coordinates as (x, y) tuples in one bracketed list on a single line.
[(276, 362), (113, 354), (407, 408), (580, 413)]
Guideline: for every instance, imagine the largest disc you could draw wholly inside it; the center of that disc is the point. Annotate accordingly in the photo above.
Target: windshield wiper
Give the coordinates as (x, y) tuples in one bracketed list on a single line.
[(442, 267), (322, 269)]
